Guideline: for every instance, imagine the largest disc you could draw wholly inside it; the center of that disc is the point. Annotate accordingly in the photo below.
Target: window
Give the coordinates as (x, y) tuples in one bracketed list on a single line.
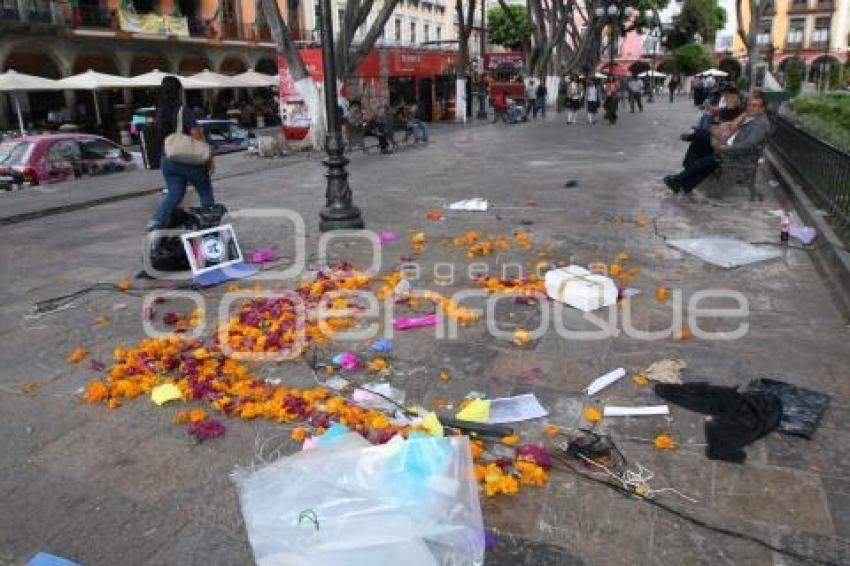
[(439, 33), (412, 32), (765, 35), (426, 33), (100, 149), (14, 152), (795, 32), (63, 150), (821, 34), (397, 32)]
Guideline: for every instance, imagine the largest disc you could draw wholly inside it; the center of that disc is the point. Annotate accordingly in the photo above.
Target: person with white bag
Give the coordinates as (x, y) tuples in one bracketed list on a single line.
[(186, 157)]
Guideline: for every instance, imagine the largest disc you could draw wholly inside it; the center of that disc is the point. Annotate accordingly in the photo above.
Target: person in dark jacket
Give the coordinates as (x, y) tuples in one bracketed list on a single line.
[(172, 115)]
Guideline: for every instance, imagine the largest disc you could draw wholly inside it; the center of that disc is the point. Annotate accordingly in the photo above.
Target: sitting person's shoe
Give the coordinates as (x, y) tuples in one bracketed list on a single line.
[(687, 137), (672, 183)]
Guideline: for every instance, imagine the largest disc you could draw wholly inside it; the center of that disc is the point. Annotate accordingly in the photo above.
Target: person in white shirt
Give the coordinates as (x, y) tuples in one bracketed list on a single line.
[(573, 99), (592, 100), (635, 88)]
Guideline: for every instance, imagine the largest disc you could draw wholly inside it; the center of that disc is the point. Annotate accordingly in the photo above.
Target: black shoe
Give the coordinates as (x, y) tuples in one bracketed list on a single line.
[(687, 137), (672, 183)]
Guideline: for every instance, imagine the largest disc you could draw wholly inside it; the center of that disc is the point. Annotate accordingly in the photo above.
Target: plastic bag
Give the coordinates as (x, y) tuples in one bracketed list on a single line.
[(724, 252), (802, 409), (411, 502)]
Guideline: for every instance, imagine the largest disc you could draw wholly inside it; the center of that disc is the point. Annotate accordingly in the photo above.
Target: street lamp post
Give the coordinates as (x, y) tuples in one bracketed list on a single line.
[(655, 34), (339, 212)]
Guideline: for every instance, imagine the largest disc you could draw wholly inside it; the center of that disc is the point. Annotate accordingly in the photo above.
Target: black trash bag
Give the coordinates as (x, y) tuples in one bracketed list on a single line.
[(167, 253), (739, 418), (802, 409)]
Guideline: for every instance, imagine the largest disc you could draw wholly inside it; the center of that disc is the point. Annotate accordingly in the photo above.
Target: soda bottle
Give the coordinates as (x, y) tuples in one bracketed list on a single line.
[(784, 227)]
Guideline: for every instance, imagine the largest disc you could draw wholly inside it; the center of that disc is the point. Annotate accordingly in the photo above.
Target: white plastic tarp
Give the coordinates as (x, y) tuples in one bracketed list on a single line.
[(725, 252)]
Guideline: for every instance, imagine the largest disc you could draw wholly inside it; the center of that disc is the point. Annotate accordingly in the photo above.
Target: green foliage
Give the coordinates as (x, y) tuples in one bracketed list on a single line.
[(697, 16), (826, 115), (502, 30), (743, 83), (692, 58), (795, 70)]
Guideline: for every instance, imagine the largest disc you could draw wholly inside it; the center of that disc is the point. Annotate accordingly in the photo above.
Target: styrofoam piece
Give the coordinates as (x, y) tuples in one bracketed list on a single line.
[(725, 252), (645, 411), (579, 288), (601, 383)]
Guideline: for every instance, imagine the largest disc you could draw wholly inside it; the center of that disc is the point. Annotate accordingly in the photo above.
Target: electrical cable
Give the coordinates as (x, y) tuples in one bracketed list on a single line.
[(562, 459)]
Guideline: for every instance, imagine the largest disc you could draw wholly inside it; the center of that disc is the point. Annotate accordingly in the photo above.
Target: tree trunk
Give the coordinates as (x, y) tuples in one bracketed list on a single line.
[(301, 79)]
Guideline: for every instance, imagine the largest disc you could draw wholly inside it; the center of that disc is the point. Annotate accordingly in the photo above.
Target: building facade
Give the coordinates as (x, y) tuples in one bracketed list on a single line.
[(814, 32)]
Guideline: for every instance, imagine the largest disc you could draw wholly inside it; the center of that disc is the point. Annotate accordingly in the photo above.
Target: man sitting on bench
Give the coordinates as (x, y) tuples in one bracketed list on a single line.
[(749, 136)]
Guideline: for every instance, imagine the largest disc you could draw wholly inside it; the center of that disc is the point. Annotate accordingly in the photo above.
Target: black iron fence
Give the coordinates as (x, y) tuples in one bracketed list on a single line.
[(823, 170)]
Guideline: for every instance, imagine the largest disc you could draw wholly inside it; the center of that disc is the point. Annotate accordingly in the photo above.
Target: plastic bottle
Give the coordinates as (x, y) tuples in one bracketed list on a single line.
[(784, 227)]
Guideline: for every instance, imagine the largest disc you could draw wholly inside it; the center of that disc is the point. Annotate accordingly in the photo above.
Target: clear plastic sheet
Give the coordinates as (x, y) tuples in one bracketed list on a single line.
[(725, 252), (412, 502), (802, 409)]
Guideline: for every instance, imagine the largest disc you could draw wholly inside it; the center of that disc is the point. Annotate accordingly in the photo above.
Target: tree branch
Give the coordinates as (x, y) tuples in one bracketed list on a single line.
[(285, 46)]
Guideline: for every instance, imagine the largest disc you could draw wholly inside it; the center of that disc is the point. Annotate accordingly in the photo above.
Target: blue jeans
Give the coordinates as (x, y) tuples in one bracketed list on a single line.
[(177, 176)]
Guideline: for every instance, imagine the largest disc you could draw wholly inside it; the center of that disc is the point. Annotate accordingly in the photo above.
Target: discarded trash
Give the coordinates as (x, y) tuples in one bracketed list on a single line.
[(739, 418), (571, 183), (387, 237), (515, 409), (604, 381), (401, 290), (415, 322), (382, 346), (802, 409), (432, 425), (434, 215), (666, 371), (166, 392), (264, 255), (347, 361), (366, 396), (580, 288), (423, 487), (47, 559), (806, 234), (724, 252), (336, 383), (476, 411), (649, 410), (470, 205)]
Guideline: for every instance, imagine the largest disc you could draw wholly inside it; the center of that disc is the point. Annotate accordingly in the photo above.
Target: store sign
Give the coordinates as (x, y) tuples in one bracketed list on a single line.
[(509, 59), (154, 24)]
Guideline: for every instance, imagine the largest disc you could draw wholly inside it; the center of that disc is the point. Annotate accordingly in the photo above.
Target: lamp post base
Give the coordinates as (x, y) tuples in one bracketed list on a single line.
[(341, 219)]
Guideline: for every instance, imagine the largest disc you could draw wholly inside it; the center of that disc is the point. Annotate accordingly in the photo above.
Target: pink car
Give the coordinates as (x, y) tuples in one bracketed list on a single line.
[(50, 158)]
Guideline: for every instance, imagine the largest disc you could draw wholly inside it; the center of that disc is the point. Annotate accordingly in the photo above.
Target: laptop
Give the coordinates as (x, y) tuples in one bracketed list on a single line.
[(214, 256)]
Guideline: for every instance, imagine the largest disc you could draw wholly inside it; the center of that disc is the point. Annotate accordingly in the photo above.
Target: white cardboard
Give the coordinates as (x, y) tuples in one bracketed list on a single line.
[(604, 381), (579, 288), (644, 411)]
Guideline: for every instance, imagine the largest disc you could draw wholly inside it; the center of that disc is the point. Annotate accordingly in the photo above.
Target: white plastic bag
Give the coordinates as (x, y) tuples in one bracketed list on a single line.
[(411, 502)]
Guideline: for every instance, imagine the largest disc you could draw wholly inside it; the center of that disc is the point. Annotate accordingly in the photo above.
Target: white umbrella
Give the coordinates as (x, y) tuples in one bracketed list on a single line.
[(216, 80), (714, 73), (93, 81), (14, 82), (153, 79), (653, 74), (255, 80)]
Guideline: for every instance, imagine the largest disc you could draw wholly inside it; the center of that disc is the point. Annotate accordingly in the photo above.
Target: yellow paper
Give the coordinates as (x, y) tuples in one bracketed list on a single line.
[(166, 392), (432, 425), (477, 411)]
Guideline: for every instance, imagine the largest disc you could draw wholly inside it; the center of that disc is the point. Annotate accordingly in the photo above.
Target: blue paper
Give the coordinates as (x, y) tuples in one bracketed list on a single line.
[(383, 346), (47, 559)]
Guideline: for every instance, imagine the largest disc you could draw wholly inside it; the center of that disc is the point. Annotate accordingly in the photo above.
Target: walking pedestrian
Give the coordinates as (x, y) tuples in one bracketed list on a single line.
[(573, 96), (635, 89), (172, 117), (592, 101), (673, 86), (500, 108), (540, 94), (612, 100)]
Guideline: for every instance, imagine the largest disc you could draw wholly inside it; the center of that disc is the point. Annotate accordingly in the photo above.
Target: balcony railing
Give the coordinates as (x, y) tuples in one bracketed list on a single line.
[(827, 6), (9, 14)]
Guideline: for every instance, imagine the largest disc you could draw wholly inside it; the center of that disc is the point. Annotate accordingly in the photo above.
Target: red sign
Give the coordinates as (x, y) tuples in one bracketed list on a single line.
[(386, 63), (495, 61)]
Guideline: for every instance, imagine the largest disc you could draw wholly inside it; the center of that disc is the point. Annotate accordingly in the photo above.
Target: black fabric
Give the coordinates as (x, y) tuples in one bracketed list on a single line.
[(698, 171), (802, 409), (699, 147), (739, 417)]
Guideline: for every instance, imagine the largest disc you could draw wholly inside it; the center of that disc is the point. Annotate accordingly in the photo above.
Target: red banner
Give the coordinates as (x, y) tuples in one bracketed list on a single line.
[(385, 62), (511, 59)]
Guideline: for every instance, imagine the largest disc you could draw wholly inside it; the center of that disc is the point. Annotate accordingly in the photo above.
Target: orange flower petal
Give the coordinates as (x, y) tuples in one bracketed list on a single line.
[(664, 442), (592, 414), (551, 430), (77, 355), (510, 439)]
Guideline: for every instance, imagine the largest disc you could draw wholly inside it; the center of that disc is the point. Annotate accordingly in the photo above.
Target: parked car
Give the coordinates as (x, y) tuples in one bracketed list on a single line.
[(50, 158), (225, 136)]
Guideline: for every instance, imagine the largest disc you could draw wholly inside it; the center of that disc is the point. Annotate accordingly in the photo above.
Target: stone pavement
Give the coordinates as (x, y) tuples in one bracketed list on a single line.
[(125, 486)]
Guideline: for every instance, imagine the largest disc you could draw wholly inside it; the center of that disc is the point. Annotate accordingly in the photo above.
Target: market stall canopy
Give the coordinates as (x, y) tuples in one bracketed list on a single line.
[(92, 80), (714, 73), (255, 79), (653, 74), (153, 79), (215, 80), (12, 81)]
